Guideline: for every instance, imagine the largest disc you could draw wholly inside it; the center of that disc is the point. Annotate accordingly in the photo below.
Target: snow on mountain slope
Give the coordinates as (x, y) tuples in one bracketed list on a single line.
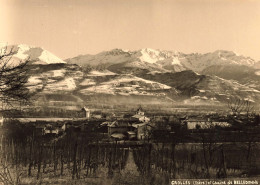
[(176, 61), (145, 72), (257, 73), (54, 79), (153, 56), (67, 84), (225, 89), (21, 52), (131, 78), (67, 79), (169, 60), (179, 86), (222, 90), (87, 82), (107, 57), (49, 58), (58, 72), (243, 74), (150, 55), (100, 73), (35, 55), (35, 84), (135, 67), (125, 85), (205, 87), (144, 58), (198, 62)]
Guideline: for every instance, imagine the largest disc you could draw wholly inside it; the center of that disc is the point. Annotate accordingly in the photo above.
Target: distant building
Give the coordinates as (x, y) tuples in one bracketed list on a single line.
[(141, 130), (140, 111), (97, 116), (49, 129), (131, 135), (134, 128), (139, 116), (123, 130), (63, 127), (205, 124), (87, 112), (118, 127), (55, 130), (1, 120)]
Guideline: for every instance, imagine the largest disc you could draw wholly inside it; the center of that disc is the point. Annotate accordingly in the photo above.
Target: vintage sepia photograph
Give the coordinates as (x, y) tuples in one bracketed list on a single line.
[(129, 92)]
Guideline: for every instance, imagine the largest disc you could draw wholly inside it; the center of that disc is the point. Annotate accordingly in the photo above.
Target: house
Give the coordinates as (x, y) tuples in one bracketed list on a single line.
[(123, 129), (205, 124), (49, 129), (140, 111), (55, 130), (139, 116), (118, 127), (131, 135), (141, 130), (97, 116), (118, 136), (64, 127), (1, 120)]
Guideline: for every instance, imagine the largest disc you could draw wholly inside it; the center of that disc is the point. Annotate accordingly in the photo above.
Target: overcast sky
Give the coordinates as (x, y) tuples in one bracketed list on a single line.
[(68, 28)]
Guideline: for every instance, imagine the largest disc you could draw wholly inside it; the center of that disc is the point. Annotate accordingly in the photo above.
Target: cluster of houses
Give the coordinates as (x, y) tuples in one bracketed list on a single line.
[(137, 127), (131, 127)]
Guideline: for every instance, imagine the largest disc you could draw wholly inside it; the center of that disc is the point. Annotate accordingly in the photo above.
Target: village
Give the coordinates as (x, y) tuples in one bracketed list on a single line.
[(133, 126)]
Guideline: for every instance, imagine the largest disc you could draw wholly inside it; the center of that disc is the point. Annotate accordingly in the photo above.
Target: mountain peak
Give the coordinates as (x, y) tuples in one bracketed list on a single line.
[(149, 50), (36, 55), (117, 51)]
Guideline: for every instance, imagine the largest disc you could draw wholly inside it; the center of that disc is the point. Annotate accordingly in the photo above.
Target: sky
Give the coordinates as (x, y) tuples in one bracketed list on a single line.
[(69, 28)]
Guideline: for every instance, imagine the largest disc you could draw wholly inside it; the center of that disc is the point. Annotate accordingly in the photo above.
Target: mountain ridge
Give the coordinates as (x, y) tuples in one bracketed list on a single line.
[(166, 59), (166, 77)]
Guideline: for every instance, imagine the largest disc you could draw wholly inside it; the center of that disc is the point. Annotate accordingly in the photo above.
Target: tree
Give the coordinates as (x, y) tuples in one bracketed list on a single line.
[(237, 106), (13, 77), (13, 91), (247, 123)]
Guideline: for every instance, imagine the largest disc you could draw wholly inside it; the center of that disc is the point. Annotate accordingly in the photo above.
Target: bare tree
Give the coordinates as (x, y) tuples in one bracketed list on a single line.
[(13, 91), (247, 123), (249, 109), (13, 78), (236, 106)]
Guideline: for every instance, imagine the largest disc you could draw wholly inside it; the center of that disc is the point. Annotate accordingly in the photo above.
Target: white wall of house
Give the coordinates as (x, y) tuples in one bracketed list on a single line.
[(205, 124), (87, 112), (1, 121)]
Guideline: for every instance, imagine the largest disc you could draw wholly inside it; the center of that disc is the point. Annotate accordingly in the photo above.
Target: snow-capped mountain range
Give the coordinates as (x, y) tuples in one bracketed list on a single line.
[(226, 65), (167, 76), (165, 60)]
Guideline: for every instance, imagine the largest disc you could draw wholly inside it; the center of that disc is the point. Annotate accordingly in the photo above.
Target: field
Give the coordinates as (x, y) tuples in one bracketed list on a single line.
[(89, 158)]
